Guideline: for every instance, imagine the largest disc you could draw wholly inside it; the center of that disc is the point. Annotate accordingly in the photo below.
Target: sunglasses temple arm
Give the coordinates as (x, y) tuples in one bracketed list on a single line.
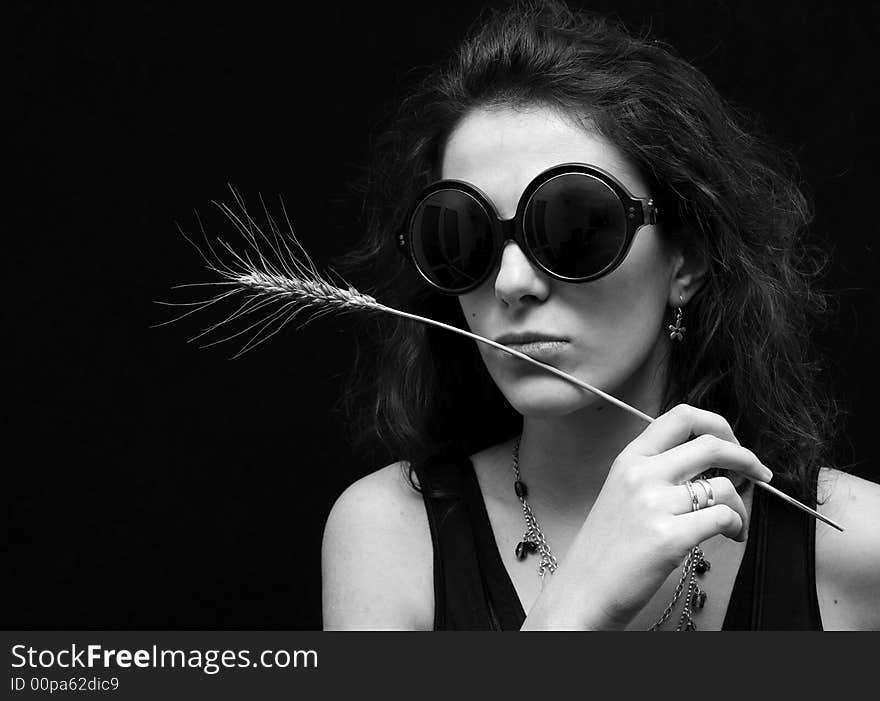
[(650, 211)]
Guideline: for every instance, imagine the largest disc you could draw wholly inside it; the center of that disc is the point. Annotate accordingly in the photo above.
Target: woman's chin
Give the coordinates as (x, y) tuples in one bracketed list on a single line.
[(547, 396)]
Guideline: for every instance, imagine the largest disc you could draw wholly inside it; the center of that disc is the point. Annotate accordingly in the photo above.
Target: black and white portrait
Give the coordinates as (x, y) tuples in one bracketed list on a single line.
[(527, 315)]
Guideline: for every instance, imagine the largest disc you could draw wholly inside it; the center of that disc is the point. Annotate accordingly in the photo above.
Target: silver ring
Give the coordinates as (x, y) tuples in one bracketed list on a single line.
[(710, 494), (695, 501)]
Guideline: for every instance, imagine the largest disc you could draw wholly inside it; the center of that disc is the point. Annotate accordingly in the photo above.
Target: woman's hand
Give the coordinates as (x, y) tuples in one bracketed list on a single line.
[(642, 526)]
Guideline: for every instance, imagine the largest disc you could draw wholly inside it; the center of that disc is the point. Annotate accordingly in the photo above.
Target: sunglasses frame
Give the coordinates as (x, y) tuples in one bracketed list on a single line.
[(639, 212)]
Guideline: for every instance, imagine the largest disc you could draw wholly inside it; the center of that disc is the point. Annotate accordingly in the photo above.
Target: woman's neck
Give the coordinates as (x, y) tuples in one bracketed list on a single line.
[(564, 460)]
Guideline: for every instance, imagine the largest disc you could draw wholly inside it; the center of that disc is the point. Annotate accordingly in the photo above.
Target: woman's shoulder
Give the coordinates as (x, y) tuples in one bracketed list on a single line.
[(377, 558), (848, 563), (387, 486)]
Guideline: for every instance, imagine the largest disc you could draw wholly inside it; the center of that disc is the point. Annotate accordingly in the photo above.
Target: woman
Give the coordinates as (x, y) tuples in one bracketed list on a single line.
[(599, 209)]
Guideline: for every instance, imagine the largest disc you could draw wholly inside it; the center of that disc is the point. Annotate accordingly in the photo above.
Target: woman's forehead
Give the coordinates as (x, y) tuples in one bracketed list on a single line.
[(501, 149)]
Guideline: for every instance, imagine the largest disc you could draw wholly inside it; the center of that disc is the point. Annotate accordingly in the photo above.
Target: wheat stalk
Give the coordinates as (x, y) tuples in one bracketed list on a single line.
[(283, 279), (287, 284)]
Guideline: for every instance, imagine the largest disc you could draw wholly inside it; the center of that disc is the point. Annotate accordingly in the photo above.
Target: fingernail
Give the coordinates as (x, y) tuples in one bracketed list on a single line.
[(767, 472)]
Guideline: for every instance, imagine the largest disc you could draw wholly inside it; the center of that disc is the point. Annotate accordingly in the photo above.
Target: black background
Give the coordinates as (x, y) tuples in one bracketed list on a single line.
[(156, 485)]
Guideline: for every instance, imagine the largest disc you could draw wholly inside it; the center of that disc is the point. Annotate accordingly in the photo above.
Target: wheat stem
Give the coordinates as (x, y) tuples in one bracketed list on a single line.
[(549, 368), (298, 286)]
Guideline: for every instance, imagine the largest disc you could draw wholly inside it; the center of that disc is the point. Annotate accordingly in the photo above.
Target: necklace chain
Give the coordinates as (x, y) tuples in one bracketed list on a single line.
[(533, 540), (533, 533)]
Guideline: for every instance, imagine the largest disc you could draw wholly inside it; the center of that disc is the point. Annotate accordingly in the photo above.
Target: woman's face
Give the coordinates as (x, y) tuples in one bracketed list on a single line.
[(612, 329)]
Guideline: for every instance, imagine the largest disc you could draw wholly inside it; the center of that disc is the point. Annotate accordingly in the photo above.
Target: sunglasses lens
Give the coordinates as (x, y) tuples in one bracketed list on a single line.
[(575, 225), (452, 239)]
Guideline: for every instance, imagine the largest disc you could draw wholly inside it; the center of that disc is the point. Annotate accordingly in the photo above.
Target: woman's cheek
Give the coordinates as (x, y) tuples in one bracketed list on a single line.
[(470, 309), (623, 327)]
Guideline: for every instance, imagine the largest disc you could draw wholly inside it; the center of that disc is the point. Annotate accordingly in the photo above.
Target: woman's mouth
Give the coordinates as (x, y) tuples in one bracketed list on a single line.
[(537, 346), (539, 349)]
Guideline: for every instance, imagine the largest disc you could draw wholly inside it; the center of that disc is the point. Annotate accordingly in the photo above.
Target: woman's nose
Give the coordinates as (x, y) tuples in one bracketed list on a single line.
[(517, 279)]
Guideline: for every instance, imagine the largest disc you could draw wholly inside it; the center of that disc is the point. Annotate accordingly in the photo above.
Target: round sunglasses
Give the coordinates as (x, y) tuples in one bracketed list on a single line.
[(574, 221)]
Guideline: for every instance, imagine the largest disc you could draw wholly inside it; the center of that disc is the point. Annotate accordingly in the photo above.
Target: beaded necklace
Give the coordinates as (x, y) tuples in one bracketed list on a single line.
[(533, 540)]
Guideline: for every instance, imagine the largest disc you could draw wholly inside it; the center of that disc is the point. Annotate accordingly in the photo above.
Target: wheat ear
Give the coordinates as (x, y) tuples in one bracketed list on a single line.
[(281, 285), (277, 277)]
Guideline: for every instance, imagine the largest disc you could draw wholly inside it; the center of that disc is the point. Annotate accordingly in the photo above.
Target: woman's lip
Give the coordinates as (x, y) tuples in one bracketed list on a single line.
[(537, 349), (526, 338)]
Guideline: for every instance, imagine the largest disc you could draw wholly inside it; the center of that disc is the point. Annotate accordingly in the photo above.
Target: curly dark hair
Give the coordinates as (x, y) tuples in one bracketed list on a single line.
[(727, 196)]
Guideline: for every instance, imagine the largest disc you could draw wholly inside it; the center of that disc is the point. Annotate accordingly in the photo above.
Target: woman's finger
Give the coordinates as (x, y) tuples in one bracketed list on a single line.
[(723, 492), (677, 426), (701, 525), (702, 453)]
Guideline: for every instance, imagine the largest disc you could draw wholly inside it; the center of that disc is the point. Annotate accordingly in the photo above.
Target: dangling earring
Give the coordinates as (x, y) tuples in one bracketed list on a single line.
[(676, 329)]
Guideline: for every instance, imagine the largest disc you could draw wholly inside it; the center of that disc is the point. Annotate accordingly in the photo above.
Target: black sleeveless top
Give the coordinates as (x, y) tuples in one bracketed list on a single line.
[(775, 588)]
